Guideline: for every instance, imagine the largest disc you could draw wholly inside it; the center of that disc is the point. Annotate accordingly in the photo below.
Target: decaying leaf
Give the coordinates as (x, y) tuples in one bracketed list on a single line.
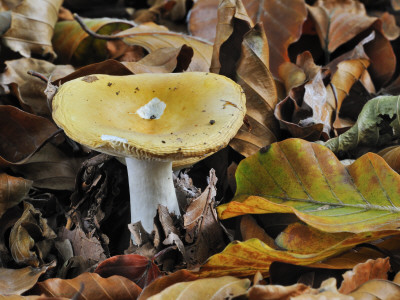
[(216, 288), (94, 287), (32, 25), (22, 134), (12, 191), (29, 236), (73, 45), (392, 156), (307, 179), (249, 229), (377, 125), (17, 281), (278, 292), (135, 267)]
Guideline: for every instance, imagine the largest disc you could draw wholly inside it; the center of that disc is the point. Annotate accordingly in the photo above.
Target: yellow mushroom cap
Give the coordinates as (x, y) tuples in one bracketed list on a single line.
[(110, 114)]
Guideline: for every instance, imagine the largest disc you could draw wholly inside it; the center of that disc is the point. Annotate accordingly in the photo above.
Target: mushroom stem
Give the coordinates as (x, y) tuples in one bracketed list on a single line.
[(150, 184)]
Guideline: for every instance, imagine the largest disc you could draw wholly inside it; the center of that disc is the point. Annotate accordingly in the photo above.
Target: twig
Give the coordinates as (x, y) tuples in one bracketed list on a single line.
[(94, 34), (38, 75)]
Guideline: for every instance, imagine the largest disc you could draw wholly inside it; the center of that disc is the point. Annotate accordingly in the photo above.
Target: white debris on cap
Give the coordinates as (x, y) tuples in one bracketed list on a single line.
[(112, 138), (152, 110)]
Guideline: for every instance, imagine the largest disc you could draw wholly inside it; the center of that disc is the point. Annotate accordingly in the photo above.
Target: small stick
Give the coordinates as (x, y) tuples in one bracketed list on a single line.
[(94, 34), (38, 75)]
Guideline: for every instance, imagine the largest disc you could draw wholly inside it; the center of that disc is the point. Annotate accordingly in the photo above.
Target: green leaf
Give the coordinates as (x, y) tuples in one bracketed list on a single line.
[(378, 124), (296, 176)]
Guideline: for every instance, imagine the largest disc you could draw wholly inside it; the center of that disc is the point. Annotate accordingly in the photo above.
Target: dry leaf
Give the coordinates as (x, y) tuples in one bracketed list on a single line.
[(392, 156), (276, 292), (249, 229), (26, 235), (94, 287), (12, 191), (17, 281), (32, 27)]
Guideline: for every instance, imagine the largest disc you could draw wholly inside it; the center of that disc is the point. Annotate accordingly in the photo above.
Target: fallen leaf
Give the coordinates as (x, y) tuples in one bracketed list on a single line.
[(152, 37), (163, 282), (88, 247), (392, 156), (249, 229), (50, 168), (32, 27), (28, 89), (378, 288), (377, 125), (203, 19), (261, 95), (295, 176), (371, 269), (12, 191), (26, 234), (333, 18), (135, 267), (94, 287), (204, 233), (18, 281), (389, 26), (73, 45), (22, 135), (215, 288), (276, 292)]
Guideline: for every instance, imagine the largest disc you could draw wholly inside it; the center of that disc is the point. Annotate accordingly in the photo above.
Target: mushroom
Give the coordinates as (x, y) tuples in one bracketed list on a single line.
[(152, 120)]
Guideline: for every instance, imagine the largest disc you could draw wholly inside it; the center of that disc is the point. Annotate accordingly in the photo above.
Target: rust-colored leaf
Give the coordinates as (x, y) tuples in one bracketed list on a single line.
[(392, 156), (135, 267), (22, 134), (12, 191), (94, 287), (249, 229), (203, 19), (32, 27), (17, 281), (371, 269), (163, 282), (25, 235)]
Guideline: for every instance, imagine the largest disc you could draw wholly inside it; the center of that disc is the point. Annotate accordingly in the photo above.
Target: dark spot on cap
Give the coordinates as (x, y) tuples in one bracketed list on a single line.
[(152, 117), (89, 78), (265, 149), (212, 122), (109, 84), (163, 142), (136, 88), (117, 93)]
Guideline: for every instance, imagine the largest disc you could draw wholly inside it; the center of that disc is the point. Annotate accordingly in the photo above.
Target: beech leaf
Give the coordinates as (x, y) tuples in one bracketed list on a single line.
[(377, 125), (296, 176), (12, 191)]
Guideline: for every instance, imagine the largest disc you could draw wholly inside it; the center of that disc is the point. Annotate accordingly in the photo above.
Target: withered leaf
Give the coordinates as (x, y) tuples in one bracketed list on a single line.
[(30, 229), (17, 281), (88, 247), (22, 134), (12, 191), (32, 27), (95, 287)]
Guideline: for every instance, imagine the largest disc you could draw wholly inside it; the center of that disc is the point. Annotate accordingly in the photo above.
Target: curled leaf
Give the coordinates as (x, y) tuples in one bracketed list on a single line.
[(12, 191)]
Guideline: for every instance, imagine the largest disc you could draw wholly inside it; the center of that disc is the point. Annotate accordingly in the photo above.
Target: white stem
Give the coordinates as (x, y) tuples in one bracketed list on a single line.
[(150, 184)]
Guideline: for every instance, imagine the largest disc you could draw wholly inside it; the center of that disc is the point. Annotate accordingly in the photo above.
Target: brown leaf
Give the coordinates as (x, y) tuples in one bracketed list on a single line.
[(32, 27), (203, 19), (163, 282), (26, 235), (152, 37), (50, 168), (392, 156), (250, 229), (88, 247), (203, 230), (283, 21), (371, 269), (28, 89), (233, 23), (94, 287), (12, 191), (261, 95), (333, 18), (135, 267), (389, 26), (22, 135), (17, 281), (276, 292), (163, 60)]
